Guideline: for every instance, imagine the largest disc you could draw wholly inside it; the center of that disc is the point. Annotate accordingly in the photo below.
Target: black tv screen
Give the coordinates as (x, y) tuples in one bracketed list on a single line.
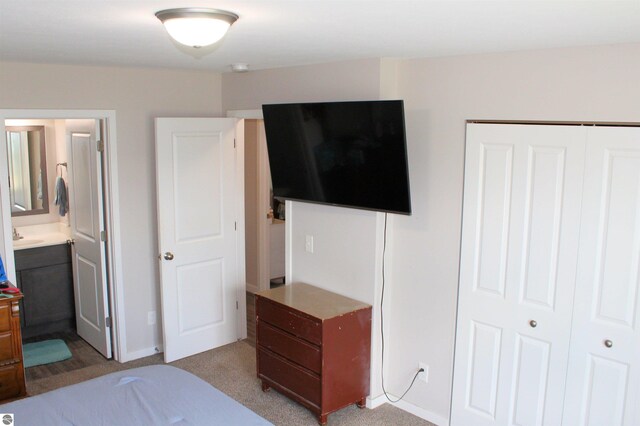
[(350, 154)]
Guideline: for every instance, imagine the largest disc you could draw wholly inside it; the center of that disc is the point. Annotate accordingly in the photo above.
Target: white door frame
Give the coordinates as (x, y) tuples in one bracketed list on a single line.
[(112, 210), (262, 228), (241, 246)]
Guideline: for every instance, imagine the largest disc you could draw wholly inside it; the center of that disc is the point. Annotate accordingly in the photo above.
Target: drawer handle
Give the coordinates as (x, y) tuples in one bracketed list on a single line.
[(533, 323), (608, 343)]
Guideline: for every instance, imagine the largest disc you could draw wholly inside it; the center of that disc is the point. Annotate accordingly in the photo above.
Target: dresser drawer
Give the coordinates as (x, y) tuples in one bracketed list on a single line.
[(10, 380), (5, 317), (6, 347), (289, 321), (289, 376), (295, 350)]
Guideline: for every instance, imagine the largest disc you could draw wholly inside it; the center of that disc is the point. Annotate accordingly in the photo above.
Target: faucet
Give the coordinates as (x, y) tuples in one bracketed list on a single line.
[(16, 236)]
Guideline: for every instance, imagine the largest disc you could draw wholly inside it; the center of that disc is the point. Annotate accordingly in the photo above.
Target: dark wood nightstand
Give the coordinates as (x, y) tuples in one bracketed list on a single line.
[(314, 347)]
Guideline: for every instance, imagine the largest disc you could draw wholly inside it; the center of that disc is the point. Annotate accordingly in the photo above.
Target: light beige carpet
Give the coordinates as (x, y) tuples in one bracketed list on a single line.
[(232, 369)]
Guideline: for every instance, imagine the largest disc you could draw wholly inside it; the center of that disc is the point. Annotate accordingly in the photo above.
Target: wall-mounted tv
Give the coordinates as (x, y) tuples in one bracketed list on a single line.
[(351, 154)]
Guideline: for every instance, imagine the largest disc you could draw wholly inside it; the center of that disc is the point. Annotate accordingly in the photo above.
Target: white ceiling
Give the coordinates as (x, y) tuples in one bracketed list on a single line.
[(278, 33)]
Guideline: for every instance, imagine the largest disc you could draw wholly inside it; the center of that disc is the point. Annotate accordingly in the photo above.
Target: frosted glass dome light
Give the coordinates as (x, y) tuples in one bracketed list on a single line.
[(196, 27)]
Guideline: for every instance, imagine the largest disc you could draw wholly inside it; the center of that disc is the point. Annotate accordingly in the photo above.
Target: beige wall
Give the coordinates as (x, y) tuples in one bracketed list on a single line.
[(580, 84), (347, 242), (137, 96), (353, 80)]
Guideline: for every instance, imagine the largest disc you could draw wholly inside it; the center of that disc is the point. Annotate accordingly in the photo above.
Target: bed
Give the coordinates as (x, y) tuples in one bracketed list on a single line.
[(154, 395)]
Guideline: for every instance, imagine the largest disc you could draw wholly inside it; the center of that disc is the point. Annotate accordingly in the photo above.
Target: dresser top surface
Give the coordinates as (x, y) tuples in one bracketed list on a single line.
[(10, 296), (314, 301)]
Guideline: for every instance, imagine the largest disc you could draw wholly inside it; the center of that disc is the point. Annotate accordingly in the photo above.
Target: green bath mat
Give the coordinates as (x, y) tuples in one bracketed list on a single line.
[(45, 352)]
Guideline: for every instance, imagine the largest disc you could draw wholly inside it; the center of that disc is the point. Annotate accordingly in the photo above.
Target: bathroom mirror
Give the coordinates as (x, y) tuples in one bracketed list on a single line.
[(27, 170)]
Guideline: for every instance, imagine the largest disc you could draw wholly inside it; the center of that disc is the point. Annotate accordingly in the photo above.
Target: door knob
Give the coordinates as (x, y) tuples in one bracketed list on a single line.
[(608, 343), (168, 256), (533, 323)]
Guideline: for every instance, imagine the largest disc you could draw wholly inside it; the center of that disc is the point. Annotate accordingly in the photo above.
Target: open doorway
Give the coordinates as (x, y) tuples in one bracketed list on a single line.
[(60, 252), (264, 215), (264, 221)]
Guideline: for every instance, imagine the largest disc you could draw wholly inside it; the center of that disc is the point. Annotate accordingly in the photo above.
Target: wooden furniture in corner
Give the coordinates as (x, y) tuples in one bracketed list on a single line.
[(12, 384), (314, 347)]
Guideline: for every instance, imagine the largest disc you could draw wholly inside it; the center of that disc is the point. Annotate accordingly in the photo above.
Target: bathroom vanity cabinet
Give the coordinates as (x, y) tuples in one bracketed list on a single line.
[(44, 275)]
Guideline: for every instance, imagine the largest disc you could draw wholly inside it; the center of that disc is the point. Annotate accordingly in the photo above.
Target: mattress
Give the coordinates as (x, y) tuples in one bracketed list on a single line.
[(155, 395)]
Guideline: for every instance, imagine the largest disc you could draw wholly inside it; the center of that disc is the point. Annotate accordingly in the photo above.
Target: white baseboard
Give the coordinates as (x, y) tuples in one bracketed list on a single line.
[(410, 408), (130, 356)]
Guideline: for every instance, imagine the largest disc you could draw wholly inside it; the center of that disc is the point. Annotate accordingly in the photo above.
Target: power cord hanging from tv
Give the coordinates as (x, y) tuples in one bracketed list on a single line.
[(384, 250)]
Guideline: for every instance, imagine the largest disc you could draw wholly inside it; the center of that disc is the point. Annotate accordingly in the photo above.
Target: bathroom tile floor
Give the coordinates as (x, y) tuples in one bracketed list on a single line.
[(83, 355)]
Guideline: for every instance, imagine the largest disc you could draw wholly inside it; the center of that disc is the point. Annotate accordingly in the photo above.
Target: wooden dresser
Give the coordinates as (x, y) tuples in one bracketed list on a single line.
[(12, 384), (314, 346)]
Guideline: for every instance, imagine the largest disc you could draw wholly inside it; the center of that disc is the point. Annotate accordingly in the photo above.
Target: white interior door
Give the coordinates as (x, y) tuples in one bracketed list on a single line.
[(603, 384), (87, 229), (195, 168), (518, 258)]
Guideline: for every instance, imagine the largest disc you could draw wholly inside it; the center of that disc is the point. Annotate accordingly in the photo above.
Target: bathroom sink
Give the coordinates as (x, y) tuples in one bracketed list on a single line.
[(26, 242)]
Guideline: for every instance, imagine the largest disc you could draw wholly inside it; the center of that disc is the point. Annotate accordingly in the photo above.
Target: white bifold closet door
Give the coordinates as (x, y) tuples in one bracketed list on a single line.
[(519, 248), (603, 382), (548, 324)]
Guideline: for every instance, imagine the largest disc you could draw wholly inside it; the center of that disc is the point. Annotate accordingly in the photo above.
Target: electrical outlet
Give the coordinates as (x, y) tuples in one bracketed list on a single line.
[(308, 243), (424, 376), (151, 317)]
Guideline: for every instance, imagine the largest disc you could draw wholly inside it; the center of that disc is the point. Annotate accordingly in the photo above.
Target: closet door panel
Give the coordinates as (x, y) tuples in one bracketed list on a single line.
[(542, 218), (605, 395), (603, 379), (519, 243), (492, 219), (482, 389), (530, 378)]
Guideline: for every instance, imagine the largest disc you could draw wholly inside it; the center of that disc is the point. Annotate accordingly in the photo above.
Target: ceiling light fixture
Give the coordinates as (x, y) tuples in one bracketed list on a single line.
[(196, 27)]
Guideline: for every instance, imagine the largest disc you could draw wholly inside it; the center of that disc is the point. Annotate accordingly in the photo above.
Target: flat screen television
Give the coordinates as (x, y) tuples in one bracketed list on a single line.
[(351, 154)]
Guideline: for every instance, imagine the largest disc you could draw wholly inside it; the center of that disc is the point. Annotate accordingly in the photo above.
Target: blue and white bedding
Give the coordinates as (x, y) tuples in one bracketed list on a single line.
[(155, 395)]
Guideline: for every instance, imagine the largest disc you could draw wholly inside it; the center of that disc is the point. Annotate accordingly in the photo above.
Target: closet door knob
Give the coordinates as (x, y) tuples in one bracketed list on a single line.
[(168, 256), (608, 343), (533, 323)]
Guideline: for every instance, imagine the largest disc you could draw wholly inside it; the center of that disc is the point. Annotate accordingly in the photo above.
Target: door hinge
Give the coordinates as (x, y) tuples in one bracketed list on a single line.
[(235, 226), (107, 322), (100, 146), (103, 236), (237, 304), (234, 142)]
